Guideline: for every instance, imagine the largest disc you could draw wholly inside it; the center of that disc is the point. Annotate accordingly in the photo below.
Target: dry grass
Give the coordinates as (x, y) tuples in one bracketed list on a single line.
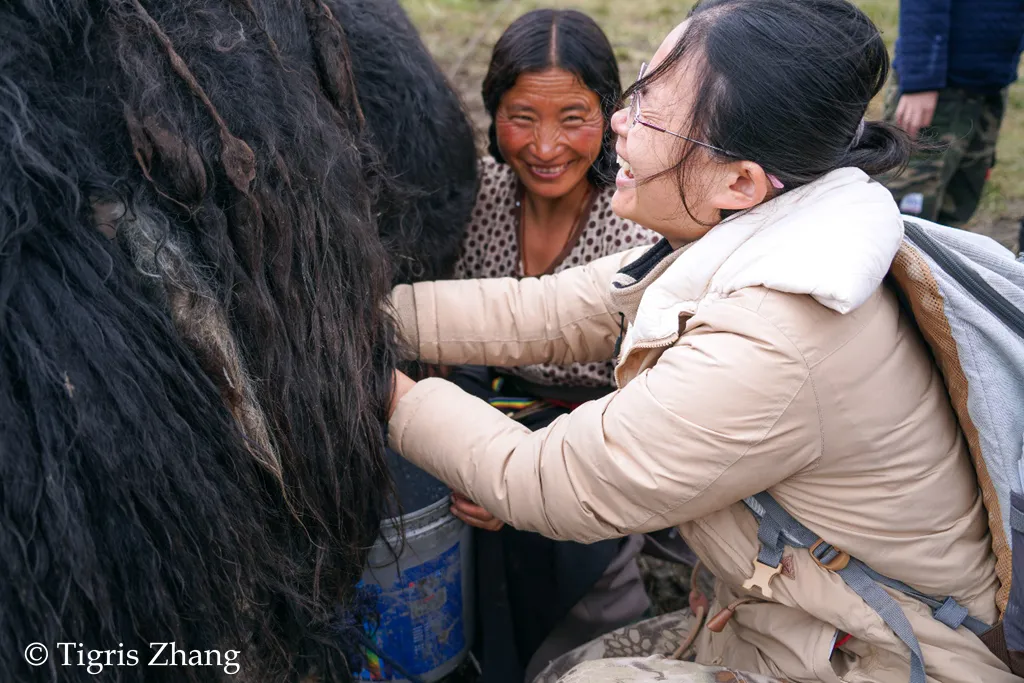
[(460, 33)]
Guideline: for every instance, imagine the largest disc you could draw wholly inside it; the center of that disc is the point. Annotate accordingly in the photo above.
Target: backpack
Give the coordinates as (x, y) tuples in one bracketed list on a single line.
[(966, 294)]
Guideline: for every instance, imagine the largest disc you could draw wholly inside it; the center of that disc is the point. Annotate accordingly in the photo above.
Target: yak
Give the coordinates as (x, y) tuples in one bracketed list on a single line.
[(203, 206)]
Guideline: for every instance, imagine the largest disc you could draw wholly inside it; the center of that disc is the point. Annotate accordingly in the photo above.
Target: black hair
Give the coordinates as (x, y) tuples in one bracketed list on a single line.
[(785, 84), (569, 40), (430, 169)]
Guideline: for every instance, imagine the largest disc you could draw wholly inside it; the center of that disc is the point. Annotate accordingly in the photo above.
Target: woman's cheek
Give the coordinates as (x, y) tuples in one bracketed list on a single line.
[(512, 137), (586, 139)]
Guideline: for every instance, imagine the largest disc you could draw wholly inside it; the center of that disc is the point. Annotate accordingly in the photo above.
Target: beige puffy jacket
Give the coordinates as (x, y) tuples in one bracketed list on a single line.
[(765, 356)]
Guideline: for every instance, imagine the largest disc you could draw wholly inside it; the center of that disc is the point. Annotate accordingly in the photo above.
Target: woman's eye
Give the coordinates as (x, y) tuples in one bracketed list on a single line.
[(522, 118), (573, 119)]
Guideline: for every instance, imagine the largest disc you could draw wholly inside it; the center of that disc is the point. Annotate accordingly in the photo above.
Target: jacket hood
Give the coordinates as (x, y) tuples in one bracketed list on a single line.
[(833, 239)]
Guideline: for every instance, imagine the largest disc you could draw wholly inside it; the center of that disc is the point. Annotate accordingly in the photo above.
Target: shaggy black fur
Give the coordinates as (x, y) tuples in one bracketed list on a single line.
[(418, 123), (194, 359)]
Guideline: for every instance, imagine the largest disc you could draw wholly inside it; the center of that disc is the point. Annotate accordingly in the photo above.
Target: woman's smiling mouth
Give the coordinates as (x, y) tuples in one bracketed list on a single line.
[(548, 172), (624, 178)]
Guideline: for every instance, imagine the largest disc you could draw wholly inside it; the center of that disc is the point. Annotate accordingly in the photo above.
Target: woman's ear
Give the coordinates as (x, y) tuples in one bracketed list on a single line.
[(742, 185)]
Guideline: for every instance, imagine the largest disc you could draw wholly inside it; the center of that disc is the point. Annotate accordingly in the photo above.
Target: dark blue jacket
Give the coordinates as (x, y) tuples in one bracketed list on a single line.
[(969, 44)]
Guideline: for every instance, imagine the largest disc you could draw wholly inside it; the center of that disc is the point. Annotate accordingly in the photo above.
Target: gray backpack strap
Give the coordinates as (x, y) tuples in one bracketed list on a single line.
[(946, 610), (778, 529)]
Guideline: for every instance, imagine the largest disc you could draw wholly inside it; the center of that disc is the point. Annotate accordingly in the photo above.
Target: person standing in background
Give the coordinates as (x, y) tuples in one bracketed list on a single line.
[(954, 62)]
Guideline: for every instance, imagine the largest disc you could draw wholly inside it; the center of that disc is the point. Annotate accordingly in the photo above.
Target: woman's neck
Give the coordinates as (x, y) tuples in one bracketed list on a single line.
[(547, 227), (550, 212)]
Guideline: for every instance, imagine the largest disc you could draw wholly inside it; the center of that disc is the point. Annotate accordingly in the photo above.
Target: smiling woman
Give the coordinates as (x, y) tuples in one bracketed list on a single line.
[(544, 205), (549, 130), (545, 189), (768, 354)]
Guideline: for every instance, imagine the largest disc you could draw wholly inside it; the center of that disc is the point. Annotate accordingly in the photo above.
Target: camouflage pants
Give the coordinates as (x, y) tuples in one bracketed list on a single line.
[(641, 653), (944, 182)]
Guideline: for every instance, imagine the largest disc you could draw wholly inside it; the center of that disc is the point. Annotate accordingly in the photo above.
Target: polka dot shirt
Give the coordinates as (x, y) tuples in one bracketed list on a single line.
[(490, 249)]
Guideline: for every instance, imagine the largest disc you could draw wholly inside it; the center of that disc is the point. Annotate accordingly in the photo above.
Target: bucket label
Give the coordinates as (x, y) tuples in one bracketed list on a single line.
[(420, 616)]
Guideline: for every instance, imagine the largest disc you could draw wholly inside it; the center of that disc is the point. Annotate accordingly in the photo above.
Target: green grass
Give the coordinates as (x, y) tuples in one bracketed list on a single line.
[(460, 33)]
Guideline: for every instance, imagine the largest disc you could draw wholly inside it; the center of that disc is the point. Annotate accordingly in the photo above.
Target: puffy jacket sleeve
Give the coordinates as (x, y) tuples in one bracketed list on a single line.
[(725, 413), (563, 318), (923, 46)]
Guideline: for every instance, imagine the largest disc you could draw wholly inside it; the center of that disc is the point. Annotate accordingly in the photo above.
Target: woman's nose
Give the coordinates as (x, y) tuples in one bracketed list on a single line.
[(547, 141), (620, 122)]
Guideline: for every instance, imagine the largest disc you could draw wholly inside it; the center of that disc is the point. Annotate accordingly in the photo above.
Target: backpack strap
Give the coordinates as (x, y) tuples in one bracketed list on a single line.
[(1012, 626), (778, 528), (1006, 639)]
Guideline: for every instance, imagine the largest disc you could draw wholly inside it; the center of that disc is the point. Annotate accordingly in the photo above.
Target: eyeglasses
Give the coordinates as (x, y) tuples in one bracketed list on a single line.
[(636, 117)]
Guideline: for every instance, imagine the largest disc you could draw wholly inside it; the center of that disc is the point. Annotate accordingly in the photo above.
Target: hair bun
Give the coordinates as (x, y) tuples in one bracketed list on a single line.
[(879, 148)]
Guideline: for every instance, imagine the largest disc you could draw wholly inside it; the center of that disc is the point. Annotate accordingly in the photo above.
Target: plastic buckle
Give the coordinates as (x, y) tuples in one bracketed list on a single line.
[(763, 575), (837, 563)]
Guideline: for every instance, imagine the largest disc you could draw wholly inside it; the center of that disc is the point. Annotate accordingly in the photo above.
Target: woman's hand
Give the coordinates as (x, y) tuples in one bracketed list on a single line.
[(474, 515), (402, 387), (462, 507)]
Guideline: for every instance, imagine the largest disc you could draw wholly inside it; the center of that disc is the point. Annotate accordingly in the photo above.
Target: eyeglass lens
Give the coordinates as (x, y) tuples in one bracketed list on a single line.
[(634, 100)]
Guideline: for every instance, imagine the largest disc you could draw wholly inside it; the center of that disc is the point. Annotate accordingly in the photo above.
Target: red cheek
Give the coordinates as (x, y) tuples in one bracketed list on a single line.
[(512, 138), (583, 140), (586, 140)]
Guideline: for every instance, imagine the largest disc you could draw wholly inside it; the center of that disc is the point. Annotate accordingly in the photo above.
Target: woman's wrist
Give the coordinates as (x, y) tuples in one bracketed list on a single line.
[(403, 306), (402, 386)]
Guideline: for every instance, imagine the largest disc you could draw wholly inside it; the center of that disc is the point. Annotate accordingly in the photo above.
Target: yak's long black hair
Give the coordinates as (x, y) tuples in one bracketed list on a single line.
[(195, 361), (418, 125)]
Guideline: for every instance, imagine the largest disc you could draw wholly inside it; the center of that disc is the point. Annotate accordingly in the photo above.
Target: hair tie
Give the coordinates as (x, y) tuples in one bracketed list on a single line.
[(858, 135)]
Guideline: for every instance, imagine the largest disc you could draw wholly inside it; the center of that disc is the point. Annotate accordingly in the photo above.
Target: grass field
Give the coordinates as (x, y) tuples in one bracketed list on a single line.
[(460, 34)]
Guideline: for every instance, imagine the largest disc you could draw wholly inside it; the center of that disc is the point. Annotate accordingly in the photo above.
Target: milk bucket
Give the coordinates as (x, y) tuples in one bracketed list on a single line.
[(425, 596)]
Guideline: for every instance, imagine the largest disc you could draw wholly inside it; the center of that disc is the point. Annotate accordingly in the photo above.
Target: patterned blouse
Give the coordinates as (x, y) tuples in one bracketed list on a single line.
[(490, 249)]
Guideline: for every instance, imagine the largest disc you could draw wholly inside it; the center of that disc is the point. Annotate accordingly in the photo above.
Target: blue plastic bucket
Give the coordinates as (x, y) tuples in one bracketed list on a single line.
[(424, 597)]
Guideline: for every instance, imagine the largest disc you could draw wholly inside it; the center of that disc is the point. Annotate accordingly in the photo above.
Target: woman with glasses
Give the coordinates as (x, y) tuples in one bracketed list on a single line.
[(770, 386), (543, 206)]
